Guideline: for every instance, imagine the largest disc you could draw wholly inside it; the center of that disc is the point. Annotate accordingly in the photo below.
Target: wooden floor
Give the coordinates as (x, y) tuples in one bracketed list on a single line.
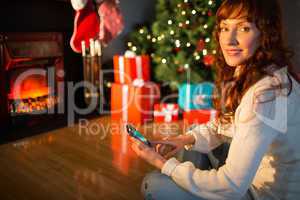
[(90, 160)]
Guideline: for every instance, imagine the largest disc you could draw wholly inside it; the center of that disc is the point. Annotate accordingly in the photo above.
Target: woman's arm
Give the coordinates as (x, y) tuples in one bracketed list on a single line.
[(249, 144), (209, 136)]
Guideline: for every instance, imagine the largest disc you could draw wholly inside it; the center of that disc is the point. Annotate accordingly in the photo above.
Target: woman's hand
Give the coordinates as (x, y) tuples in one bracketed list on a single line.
[(169, 146), (147, 153)]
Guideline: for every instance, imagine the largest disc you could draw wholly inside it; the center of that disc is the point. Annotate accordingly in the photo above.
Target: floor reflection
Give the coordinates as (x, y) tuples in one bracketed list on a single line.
[(94, 181), (123, 155), (27, 144)]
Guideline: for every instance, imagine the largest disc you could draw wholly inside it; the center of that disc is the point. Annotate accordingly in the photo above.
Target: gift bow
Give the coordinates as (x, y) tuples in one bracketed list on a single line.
[(200, 99), (167, 111), (138, 82)]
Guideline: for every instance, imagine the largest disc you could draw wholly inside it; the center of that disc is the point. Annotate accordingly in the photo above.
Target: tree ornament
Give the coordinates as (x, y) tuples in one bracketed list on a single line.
[(180, 69), (209, 13), (200, 45), (177, 49), (208, 60)]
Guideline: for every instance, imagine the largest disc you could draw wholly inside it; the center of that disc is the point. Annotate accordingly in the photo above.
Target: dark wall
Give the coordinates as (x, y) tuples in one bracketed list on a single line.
[(54, 15), (291, 18), (35, 15), (42, 16)]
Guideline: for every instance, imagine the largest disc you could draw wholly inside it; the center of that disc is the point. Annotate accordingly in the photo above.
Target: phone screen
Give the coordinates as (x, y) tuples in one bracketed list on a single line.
[(136, 134)]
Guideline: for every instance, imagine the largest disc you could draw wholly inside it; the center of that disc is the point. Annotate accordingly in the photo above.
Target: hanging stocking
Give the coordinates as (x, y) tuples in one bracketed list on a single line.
[(111, 20), (104, 25), (86, 23)]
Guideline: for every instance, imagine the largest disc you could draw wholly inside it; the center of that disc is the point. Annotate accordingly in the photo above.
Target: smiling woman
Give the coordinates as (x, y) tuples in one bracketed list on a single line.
[(258, 96), (250, 40)]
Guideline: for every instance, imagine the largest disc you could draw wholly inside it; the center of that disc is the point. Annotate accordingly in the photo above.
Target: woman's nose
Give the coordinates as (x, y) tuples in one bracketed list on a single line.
[(231, 38)]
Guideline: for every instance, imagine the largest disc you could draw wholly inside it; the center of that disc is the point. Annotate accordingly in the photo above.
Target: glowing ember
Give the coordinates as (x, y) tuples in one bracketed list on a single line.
[(31, 105)]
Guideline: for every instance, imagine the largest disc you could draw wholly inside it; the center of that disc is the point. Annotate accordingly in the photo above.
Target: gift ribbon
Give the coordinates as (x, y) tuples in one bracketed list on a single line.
[(125, 103), (139, 70), (139, 67), (124, 138), (121, 69), (198, 99), (187, 97), (125, 96)]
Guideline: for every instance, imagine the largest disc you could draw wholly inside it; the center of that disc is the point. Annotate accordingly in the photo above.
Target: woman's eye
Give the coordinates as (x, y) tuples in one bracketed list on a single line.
[(223, 29), (245, 29)]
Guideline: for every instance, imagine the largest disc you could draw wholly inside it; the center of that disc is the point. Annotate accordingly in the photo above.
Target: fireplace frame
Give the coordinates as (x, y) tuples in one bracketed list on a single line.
[(4, 109), (40, 46)]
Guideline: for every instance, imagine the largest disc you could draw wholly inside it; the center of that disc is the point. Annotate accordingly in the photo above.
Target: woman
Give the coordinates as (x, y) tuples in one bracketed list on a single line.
[(258, 109)]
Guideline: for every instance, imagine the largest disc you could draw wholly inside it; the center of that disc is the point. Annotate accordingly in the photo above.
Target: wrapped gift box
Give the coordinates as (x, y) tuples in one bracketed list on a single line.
[(198, 116), (127, 69), (195, 96), (133, 103), (165, 112)]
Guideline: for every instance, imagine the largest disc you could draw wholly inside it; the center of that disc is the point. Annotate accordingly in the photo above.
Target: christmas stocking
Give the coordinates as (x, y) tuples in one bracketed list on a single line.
[(104, 25), (86, 23), (112, 22)]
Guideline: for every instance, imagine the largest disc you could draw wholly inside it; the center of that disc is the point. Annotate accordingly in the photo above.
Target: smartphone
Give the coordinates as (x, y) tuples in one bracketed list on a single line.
[(136, 134)]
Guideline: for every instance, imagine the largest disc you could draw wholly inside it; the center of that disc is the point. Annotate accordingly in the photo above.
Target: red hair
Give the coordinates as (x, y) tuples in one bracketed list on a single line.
[(266, 15)]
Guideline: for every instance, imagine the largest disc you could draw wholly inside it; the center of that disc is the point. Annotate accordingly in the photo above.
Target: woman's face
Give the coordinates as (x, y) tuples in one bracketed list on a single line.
[(239, 40)]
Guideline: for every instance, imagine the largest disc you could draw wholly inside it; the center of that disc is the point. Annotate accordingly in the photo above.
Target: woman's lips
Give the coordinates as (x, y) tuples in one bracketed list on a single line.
[(233, 52)]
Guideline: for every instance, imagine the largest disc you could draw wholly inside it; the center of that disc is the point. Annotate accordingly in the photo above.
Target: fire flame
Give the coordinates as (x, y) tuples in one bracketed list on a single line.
[(32, 87)]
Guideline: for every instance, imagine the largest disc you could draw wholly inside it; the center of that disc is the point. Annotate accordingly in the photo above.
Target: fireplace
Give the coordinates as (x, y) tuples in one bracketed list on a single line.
[(31, 72)]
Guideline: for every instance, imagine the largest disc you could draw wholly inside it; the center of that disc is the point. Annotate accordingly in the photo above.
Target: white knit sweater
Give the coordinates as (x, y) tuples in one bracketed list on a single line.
[(264, 152)]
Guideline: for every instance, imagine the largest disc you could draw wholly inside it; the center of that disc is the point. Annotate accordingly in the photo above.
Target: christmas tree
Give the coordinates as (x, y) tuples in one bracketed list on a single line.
[(179, 41)]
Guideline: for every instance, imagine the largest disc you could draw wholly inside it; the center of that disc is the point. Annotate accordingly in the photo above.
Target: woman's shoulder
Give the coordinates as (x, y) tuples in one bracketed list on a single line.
[(278, 83), (265, 99)]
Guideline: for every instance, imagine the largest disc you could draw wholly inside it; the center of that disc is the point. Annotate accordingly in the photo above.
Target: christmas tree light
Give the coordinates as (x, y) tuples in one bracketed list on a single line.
[(179, 38)]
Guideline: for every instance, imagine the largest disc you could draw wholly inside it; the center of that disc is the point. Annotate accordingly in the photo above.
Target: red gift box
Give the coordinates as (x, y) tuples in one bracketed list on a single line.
[(198, 116), (165, 112), (133, 103), (127, 69)]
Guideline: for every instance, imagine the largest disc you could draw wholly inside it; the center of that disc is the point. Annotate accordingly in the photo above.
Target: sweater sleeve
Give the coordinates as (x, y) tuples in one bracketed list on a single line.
[(210, 135), (249, 144)]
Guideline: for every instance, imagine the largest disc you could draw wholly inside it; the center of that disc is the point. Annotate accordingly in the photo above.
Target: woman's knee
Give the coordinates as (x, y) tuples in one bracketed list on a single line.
[(152, 183), (159, 186)]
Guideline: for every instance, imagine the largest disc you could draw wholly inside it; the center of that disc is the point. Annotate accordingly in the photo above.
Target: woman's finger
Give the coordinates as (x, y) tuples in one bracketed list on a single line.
[(135, 149), (166, 138), (171, 153), (157, 147), (162, 149), (138, 145), (162, 142)]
